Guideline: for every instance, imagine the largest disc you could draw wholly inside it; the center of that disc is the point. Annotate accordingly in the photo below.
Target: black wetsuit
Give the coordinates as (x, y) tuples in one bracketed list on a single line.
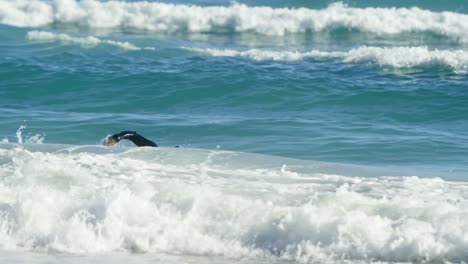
[(135, 138)]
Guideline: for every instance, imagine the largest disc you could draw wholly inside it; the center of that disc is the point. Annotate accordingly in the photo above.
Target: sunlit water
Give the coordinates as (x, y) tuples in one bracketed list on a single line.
[(311, 132)]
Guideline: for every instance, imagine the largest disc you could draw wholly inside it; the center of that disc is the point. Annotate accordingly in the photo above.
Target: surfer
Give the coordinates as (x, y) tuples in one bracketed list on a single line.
[(137, 139)]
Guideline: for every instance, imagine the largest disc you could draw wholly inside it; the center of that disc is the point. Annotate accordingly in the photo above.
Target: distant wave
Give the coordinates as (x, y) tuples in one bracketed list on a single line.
[(91, 199), (398, 57), (262, 55), (89, 41), (163, 17)]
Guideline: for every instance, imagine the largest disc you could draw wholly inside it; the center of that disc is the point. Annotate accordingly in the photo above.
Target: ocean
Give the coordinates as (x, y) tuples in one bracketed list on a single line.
[(309, 131)]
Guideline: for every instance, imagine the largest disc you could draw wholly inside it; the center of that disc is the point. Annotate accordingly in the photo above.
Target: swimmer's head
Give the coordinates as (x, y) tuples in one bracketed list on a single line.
[(110, 141)]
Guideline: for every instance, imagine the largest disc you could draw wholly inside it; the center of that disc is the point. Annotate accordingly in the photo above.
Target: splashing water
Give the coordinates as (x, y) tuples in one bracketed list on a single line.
[(34, 139), (19, 133)]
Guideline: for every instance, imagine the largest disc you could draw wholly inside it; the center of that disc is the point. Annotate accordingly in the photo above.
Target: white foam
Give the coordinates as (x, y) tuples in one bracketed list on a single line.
[(263, 55), (408, 57), (36, 139), (89, 41), (398, 57), (163, 17), (194, 202)]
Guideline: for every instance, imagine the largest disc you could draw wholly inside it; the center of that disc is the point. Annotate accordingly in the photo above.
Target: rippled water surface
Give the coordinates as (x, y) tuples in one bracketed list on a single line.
[(358, 109)]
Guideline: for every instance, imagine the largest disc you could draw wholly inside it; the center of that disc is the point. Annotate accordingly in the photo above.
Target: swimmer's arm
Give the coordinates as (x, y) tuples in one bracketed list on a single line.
[(137, 139)]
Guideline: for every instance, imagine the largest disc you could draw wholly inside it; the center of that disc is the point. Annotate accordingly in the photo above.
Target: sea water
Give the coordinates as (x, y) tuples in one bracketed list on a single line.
[(310, 132)]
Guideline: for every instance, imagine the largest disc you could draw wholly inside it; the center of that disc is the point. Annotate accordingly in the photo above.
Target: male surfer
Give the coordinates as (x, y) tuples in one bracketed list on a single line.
[(138, 140)]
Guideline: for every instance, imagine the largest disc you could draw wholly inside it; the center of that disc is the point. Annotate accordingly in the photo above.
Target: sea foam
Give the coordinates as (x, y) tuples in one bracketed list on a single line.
[(212, 203), (89, 41), (161, 17), (398, 57)]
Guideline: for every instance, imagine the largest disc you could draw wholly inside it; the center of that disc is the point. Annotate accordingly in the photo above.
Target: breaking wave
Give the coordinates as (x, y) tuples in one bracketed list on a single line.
[(93, 199), (161, 17), (397, 57), (82, 41)]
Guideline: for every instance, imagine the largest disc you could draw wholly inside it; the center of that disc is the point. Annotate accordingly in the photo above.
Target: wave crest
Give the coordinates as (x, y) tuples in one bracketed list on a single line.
[(397, 57), (161, 17), (89, 41)]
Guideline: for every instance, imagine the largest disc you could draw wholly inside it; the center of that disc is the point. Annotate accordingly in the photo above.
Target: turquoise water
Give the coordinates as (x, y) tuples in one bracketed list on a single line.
[(377, 84)]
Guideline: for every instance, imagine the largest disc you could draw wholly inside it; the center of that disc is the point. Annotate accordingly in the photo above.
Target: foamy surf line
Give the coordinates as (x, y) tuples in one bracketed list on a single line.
[(213, 203), (161, 17), (397, 57), (87, 42)]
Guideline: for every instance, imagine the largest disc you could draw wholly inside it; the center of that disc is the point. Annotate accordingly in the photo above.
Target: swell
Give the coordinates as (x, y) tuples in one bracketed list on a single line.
[(396, 57), (171, 18)]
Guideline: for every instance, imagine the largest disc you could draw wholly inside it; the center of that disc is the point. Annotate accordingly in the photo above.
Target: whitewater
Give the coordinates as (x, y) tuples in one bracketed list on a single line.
[(307, 131), (238, 17), (396, 57), (90, 199)]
